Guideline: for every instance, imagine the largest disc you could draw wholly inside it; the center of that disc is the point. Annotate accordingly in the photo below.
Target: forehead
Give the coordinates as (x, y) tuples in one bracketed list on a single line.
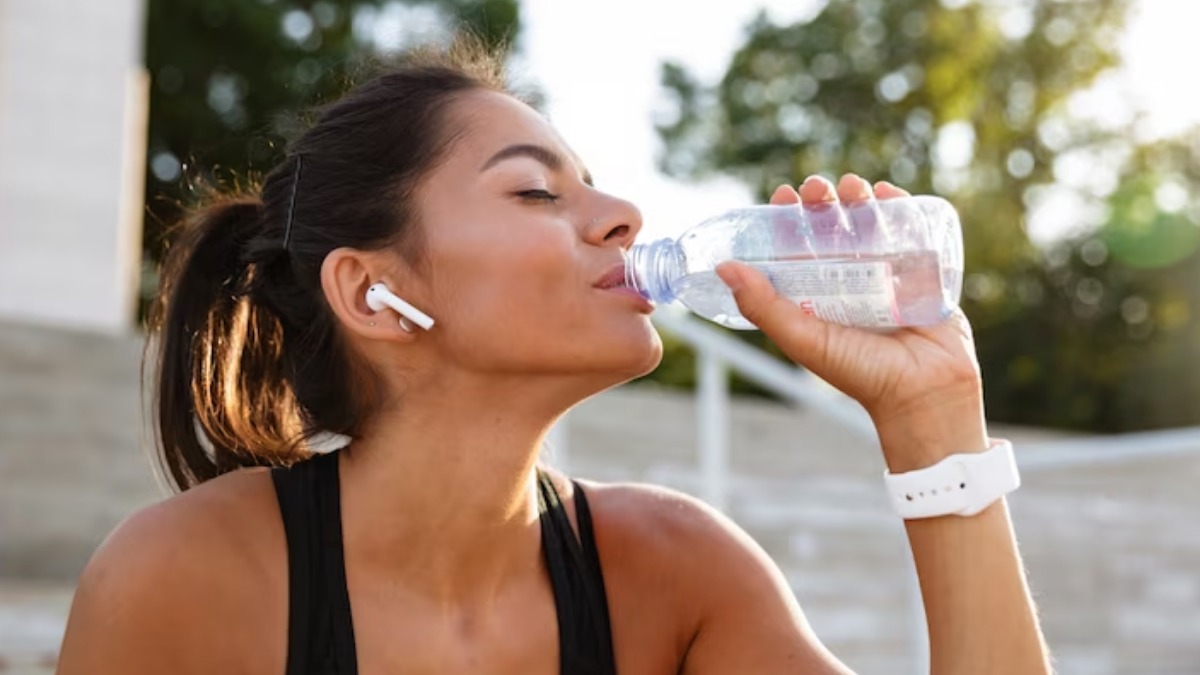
[(489, 122)]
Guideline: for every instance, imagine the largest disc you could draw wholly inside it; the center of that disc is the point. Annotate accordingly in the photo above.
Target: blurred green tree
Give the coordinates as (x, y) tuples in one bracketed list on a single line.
[(1111, 337), (231, 77), (984, 103)]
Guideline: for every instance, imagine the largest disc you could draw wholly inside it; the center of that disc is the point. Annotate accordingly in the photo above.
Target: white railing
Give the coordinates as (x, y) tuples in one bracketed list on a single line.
[(716, 353)]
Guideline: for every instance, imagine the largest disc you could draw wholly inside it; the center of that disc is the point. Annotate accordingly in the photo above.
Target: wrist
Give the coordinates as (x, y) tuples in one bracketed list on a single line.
[(923, 438)]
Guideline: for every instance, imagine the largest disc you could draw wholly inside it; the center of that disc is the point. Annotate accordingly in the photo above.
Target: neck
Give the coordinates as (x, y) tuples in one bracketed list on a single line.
[(440, 491)]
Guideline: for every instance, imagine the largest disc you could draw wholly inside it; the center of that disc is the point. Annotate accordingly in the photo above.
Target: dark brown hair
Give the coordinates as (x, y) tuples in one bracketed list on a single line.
[(249, 364)]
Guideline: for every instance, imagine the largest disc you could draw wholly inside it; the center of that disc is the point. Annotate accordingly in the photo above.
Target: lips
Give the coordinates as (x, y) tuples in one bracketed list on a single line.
[(613, 278), (613, 281)]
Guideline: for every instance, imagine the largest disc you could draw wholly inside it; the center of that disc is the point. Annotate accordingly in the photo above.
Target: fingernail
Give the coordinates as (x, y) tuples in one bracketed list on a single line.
[(818, 188), (849, 180)]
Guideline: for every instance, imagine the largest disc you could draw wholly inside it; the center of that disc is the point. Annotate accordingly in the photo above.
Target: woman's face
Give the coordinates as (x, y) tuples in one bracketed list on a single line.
[(519, 243)]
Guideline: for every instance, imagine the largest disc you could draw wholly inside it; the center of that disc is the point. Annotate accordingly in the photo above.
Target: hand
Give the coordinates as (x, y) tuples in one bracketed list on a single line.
[(921, 386)]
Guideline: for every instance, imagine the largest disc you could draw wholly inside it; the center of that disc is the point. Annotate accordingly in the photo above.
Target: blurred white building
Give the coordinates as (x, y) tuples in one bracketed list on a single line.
[(73, 104)]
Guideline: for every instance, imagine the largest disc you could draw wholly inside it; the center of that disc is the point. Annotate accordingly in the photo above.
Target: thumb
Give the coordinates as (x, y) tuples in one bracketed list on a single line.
[(802, 338)]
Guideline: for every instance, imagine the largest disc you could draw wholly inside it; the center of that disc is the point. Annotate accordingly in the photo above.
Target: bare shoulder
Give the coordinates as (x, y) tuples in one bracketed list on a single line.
[(660, 520), (707, 557), (656, 516), (731, 606), (225, 524), (209, 561)]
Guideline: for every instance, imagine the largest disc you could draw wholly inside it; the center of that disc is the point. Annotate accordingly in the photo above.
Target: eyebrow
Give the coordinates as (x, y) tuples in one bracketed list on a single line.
[(540, 153)]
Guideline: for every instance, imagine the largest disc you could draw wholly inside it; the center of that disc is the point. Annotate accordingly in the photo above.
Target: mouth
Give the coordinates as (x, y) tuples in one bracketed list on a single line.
[(613, 278), (615, 282)]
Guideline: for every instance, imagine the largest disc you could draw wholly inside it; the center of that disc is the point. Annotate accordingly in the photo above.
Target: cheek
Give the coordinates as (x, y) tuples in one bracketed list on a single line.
[(510, 289), (527, 304), (520, 325), (513, 275)]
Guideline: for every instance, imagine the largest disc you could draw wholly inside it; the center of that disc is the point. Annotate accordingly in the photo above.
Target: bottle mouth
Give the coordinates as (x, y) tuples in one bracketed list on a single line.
[(631, 257), (651, 268)]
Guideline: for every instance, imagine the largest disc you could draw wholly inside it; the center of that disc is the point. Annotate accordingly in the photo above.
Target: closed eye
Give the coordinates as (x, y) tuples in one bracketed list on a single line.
[(541, 196)]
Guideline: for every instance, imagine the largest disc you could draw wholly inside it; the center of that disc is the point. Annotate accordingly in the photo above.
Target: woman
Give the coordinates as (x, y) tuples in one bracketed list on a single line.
[(433, 543)]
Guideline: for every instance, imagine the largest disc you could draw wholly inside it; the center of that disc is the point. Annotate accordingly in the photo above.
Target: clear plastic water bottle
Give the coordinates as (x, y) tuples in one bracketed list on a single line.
[(873, 264)]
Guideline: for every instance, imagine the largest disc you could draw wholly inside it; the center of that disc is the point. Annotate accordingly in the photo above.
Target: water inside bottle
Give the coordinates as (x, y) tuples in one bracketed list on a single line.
[(885, 291)]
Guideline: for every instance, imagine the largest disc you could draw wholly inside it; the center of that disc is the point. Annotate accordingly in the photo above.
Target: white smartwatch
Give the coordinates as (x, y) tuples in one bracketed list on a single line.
[(961, 485)]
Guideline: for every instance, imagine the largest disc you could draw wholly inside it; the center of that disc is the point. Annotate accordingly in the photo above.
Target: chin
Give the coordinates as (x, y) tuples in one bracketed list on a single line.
[(630, 352), (654, 358), (616, 367), (643, 357)]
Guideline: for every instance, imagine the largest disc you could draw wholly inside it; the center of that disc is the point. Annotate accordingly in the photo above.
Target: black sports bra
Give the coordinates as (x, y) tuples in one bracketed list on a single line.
[(320, 629)]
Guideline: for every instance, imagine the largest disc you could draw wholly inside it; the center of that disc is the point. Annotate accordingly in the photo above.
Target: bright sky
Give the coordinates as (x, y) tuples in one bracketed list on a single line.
[(598, 64)]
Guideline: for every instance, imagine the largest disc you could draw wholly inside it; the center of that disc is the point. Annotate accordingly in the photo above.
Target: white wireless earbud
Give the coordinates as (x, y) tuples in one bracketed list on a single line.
[(379, 297)]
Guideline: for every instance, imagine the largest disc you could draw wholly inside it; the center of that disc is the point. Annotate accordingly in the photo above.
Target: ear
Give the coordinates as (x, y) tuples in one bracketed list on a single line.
[(346, 274)]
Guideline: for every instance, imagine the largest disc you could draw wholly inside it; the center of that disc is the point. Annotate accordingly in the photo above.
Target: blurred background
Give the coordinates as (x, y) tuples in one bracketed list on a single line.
[(1066, 132)]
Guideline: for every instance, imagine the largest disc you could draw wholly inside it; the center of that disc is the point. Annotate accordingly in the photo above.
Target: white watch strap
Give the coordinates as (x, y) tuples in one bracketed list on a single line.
[(962, 484)]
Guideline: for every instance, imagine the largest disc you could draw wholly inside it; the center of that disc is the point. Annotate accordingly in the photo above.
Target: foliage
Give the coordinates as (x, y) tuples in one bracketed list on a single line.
[(231, 77), (1110, 338), (985, 102)]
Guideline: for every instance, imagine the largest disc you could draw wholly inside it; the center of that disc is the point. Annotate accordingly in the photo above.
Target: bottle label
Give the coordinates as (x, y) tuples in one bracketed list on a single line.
[(848, 292)]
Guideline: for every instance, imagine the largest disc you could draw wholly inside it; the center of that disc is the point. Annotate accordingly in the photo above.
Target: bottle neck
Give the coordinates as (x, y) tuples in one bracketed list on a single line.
[(651, 269)]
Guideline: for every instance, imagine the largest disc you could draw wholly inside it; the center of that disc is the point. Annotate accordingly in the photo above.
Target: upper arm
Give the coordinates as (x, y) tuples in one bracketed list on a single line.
[(750, 620), (742, 616), (167, 592)]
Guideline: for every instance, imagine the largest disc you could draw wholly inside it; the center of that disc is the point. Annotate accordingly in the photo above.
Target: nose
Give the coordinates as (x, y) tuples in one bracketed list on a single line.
[(617, 223)]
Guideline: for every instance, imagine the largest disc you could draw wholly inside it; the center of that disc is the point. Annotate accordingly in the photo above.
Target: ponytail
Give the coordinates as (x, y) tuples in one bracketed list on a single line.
[(223, 399), (250, 363)]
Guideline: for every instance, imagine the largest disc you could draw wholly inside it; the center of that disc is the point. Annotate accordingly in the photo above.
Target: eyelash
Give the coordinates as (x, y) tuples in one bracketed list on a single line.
[(538, 196)]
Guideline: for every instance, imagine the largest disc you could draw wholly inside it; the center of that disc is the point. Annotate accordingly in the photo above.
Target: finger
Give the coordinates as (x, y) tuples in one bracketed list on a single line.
[(802, 338), (785, 194), (817, 190), (885, 190), (852, 188)]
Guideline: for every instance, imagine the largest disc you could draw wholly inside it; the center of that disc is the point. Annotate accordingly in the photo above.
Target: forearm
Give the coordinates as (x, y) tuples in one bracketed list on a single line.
[(980, 615)]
